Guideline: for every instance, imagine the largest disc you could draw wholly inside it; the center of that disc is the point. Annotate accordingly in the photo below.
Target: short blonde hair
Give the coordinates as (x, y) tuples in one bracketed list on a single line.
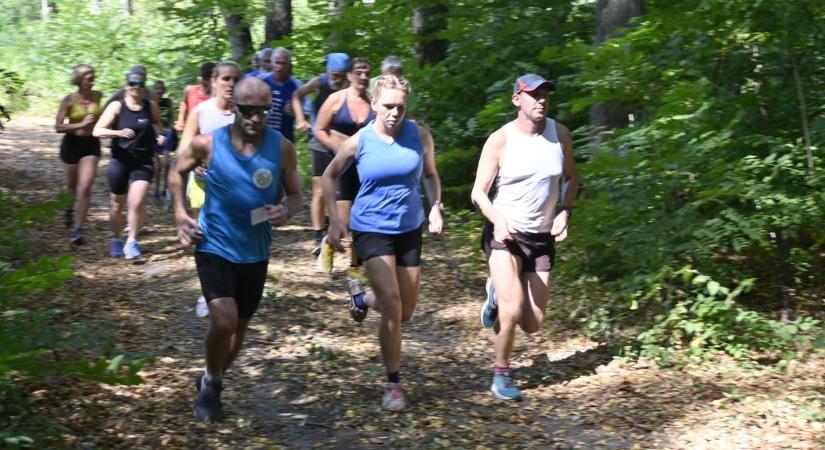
[(79, 72), (390, 82)]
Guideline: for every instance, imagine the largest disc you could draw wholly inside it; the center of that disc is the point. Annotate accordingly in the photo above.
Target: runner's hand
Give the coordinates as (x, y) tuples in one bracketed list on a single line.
[(559, 229), (436, 220), (88, 120), (502, 231), (161, 139), (335, 233), (126, 133), (303, 126), (188, 231), (277, 214), (179, 127)]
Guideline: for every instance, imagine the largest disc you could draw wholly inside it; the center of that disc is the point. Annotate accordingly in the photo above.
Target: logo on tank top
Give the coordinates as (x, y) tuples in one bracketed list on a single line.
[(262, 178)]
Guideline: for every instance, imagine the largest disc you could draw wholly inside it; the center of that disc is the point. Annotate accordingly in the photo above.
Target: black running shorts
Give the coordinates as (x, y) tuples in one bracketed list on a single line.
[(320, 160), (537, 251), (222, 278), (74, 148), (121, 173), (405, 246)]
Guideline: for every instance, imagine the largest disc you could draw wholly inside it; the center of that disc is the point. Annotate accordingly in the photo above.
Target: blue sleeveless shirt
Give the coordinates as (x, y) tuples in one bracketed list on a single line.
[(389, 200), (235, 185)]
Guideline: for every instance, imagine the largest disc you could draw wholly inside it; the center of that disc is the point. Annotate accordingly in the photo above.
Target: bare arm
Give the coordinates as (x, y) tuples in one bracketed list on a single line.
[(488, 164), (432, 182), (182, 111), (313, 85), (61, 127), (342, 159), (281, 213), (200, 150), (327, 136), (103, 126), (191, 129), (570, 185)]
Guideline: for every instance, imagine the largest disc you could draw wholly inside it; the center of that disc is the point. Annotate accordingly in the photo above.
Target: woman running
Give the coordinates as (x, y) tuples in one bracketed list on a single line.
[(342, 115), (161, 152), (390, 155), (130, 123), (79, 150)]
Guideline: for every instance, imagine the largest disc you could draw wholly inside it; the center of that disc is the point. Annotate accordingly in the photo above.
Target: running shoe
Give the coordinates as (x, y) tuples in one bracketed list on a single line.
[(325, 257), (395, 398), (117, 248), (355, 273), (77, 237), (354, 288), (503, 387), (132, 249), (489, 311), (208, 407), (317, 249), (201, 308), (68, 217)]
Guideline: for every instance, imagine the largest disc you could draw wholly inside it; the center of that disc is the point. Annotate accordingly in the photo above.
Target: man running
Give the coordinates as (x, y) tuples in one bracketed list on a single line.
[(248, 164), (256, 66), (334, 79), (161, 152), (526, 158), (282, 114)]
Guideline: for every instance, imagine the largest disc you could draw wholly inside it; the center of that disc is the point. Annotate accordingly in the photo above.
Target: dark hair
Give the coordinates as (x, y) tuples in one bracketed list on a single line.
[(359, 62), (205, 71)]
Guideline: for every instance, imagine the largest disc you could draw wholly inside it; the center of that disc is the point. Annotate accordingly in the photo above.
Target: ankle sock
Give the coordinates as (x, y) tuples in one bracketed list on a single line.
[(394, 377), (502, 369), (319, 234)]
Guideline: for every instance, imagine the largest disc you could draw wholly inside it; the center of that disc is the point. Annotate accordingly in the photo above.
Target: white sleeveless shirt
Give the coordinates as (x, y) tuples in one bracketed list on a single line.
[(210, 117), (530, 168)]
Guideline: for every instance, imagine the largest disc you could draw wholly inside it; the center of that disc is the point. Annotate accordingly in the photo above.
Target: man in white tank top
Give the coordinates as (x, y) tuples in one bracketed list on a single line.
[(529, 159)]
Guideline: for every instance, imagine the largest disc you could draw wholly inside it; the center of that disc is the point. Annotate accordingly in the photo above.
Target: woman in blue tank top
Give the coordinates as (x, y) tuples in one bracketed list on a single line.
[(390, 155)]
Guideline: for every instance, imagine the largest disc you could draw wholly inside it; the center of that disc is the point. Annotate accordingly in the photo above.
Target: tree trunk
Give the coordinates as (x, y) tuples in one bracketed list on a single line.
[(339, 39), (44, 9), (94, 6), (610, 16), (278, 21), (127, 6), (427, 22), (239, 36)]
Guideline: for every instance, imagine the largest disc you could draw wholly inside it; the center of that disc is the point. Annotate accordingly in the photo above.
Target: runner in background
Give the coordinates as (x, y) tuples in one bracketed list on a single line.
[(79, 150), (161, 152), (282, 114)]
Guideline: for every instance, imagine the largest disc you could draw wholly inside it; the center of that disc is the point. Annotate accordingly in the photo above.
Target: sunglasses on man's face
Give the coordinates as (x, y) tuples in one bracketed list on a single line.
[(136, 83), (253, 110)]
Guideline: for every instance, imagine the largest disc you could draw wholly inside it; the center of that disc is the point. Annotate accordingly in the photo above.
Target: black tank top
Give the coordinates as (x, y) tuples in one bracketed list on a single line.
[(323, 92), (139, 147)]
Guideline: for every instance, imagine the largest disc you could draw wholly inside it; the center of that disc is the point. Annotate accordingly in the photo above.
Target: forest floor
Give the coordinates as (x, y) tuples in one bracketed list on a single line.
[(309, 377)]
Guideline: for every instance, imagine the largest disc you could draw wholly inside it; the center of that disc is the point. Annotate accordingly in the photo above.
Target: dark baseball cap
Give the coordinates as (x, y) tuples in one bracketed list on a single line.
[(530, 82)]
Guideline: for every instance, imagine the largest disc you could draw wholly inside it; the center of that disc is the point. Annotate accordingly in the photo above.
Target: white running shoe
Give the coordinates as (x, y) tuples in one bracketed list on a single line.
[(201, 308)]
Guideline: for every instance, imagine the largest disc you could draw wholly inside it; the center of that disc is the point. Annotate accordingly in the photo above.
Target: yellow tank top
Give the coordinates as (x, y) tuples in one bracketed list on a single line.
[(77, 112)]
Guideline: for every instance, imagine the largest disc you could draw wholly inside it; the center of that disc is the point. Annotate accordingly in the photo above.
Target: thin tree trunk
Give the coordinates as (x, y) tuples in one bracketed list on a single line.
[(803, 112), (339, 39), (240, 38), (94, 6), (127, 6), (44, 9), (428, 21), (611, 15), (278, 20)]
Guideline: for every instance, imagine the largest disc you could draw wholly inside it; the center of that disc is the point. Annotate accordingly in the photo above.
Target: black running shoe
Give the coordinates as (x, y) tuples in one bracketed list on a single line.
[(208, 407), (78, 238)]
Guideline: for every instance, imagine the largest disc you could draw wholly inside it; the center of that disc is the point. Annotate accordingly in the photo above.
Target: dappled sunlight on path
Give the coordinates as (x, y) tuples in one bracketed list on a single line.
[(309, 377)]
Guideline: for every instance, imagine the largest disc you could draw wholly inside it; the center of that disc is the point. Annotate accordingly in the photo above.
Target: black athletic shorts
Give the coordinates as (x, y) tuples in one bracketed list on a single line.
[(405, 246), (223, 278), (74, 148), (536, 250), (122, 173), (348, 184), (320, 156)]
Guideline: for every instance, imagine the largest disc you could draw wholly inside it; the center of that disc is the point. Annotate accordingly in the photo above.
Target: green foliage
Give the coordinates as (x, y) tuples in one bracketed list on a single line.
[(31, 347)]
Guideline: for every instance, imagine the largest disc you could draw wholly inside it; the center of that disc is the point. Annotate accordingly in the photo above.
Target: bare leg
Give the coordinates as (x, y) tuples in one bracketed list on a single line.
[(116, 213), (237, 343), (223, 324), (382, 274), (137, 196), (505, 269), (344, 207), (70, 170), (86, 171), (537, 287), (317, 205)]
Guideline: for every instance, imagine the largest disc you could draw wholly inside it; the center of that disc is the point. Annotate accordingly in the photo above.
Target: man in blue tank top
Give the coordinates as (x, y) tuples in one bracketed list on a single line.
[(249, 164)]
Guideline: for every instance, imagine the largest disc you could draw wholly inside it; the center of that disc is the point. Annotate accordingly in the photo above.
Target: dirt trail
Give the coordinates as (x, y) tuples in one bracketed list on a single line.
[(309, 377)]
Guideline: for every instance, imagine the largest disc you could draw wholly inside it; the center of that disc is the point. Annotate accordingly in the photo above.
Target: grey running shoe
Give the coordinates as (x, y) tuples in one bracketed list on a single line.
[(208, 406), (354, 288), (503, 387), (489, 311), (77, 237), (395, 398)]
